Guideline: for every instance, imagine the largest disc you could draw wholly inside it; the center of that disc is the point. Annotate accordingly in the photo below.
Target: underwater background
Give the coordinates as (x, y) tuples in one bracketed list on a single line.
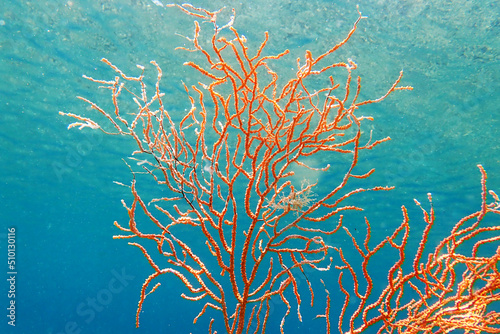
[(57, 187)]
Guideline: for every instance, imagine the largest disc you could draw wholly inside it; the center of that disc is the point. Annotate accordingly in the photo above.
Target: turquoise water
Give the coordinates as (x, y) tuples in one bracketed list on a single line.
[(57, 185)]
